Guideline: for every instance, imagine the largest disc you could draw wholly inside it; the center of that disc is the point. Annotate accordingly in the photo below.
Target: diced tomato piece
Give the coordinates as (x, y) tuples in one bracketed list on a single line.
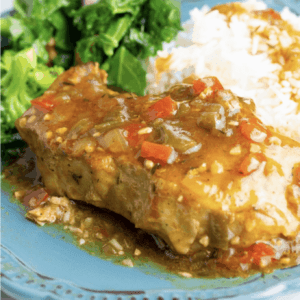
[(200, 86), (40, 195), (44, 103), (254, 131), (161, 109), (217, 84), (251, 163), (271, 13), (42, 200), (134, 139), (255, 252), (156, 152)]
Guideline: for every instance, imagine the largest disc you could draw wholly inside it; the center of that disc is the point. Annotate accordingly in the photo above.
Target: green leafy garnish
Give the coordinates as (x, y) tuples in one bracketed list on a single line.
[(126, 32), (23, 79), (127, 71), (118, 34)]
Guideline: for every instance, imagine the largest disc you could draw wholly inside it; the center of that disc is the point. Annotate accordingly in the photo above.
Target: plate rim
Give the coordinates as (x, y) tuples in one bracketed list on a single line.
[(13, 288)]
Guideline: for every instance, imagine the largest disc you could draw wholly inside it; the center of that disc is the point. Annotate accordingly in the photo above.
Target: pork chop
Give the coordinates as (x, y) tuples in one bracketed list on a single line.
[(193, 165)]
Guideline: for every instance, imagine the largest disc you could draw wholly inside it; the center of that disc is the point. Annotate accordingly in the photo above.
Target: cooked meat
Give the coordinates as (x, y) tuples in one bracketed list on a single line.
[(193, 165)]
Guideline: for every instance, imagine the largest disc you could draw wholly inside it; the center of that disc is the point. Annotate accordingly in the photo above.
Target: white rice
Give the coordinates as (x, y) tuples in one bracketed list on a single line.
[(240, 60)]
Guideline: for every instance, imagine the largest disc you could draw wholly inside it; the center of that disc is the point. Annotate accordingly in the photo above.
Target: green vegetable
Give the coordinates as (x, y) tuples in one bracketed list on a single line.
[(36, 22), (127, 72), (114, 34), (118, 34), (23, 79), (24, 72), (177, 138)]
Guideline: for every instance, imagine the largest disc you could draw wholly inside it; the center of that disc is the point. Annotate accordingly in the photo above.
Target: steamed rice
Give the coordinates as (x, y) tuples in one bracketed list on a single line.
[(241, 60)]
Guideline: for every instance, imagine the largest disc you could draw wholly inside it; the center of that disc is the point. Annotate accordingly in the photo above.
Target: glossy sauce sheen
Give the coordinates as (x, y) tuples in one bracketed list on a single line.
[(221, 180), (99, 227)]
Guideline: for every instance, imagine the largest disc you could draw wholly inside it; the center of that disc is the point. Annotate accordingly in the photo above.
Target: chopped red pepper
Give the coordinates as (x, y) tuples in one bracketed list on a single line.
[(156, 152), (270, 14), (254, 131), (251, 163), (254, 253), (134, 139), (217, 84), (42, 200), (161, 109), (44, 103), (199, 86)]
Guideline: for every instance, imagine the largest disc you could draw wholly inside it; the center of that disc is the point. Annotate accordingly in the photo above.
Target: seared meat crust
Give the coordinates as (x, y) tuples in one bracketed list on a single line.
[(226, 180)]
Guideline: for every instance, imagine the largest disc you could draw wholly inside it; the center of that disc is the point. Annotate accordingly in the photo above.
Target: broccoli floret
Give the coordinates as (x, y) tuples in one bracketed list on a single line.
[(23, 79)]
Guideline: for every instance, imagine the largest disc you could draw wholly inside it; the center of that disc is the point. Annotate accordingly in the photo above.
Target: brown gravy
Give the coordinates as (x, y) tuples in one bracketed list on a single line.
[(110, 236)]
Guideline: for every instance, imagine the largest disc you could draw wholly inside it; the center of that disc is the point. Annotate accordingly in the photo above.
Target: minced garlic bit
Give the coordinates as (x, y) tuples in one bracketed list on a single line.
[(89, 148), (195, 172), (127, 262), (204, 241), (75, 229), (264, 261), (59, 139), (59, 201), (233, 123), (236, 150), (180, 198), (185, 274), (202, 168), (19, 194), (216, 168), (145, 130), (250, 225), (275, 140), (235, 240), (49, 134), (207, 92), (149, 164), (254, 164), (32, 202), (254, 148), (96, 134), (137, 252), (23, 122), (61, 130), (285, 260), (48, 117), (31, 119), (116, 244), (257, 135), (82, 241)]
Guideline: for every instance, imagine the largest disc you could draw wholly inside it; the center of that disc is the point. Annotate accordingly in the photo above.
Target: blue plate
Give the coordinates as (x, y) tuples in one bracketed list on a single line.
[(44, 263)]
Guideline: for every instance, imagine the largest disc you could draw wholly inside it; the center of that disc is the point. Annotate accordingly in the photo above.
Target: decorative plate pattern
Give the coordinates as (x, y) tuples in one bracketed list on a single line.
[(43, 263)]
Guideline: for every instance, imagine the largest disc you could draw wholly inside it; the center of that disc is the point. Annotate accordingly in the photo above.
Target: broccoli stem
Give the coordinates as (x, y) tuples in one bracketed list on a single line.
[(5, 24)]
